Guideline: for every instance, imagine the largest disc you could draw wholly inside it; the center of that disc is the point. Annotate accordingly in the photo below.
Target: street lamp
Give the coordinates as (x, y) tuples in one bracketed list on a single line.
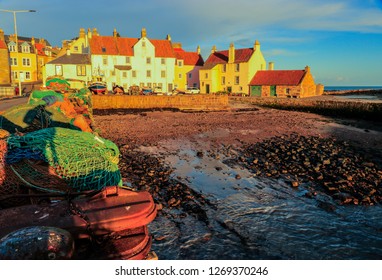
[(17, 45)]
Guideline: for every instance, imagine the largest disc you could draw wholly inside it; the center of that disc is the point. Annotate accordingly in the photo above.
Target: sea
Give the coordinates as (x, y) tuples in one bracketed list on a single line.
[(331, 88)]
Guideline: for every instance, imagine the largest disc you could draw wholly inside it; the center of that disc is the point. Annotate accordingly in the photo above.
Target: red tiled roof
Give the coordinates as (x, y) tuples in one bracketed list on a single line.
[(163, 48), (40, 48), (126, 45), (109, 45), (2, 45), (277, 77), (189, 58), (221, 57), (103, 45)]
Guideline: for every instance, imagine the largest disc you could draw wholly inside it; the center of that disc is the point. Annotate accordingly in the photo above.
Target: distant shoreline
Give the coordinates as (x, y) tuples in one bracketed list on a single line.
[(366, 91)]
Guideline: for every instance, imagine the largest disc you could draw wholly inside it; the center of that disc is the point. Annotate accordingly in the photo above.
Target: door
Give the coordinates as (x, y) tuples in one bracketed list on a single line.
[(273, 91), (255, 90), (207, 88)]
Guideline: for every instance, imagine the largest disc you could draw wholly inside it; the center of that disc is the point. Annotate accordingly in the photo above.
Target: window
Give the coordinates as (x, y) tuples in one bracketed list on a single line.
[(143, 44), (27, 75), (163, 74), (148, 60), (12, 47), (59, 70), (206, 75), (237, 67), (26, 62), (148, 73), (104, 61), (163, 61), (134, 74), (180, 63), (13, 61), (128, 60), (112, 72), (237, 80), (124, 74), (81, 70), (223, 80), (180, 76), (14, 74), (160, 85), (75, 48), (224, 68), (26, 49), (149, 85)]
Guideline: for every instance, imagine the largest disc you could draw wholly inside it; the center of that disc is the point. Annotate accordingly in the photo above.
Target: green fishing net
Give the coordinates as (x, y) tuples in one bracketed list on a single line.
[(81, 160)]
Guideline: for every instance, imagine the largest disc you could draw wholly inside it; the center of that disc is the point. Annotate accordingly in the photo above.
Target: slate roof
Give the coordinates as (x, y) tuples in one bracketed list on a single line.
[(189, 58), (109, 45), (221, 57), (74, 58), (26, 39), (277, 78)]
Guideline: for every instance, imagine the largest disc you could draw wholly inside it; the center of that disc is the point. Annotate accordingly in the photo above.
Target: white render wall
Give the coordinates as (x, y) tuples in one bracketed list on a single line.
[(143, 49)]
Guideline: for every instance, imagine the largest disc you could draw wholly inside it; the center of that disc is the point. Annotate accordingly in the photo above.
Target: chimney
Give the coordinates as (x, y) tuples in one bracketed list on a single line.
[(213, 50), (198, 49), (256, 46), (271, 66), (2, 38), (82, 33), (68, 52), (177, 45), (231, 53), (307, 69), (89, 34), (143, 33), (168, 37), (95, 32), (115, 33)]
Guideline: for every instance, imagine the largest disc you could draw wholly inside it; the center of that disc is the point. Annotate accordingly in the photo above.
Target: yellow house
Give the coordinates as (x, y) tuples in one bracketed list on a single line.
[(187, 67), (231, 70), (23, 59)]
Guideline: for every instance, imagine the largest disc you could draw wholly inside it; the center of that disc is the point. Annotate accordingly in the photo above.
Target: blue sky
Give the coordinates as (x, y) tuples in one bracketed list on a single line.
[(341, 40)]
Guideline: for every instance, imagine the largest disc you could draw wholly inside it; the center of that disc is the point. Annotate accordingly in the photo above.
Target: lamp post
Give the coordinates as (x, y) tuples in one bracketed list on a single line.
[(17, 45)]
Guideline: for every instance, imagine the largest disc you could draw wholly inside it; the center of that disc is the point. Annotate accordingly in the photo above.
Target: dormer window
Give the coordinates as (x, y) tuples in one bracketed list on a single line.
[(103, 49), (180, 63), (12, 47), (25, 48)]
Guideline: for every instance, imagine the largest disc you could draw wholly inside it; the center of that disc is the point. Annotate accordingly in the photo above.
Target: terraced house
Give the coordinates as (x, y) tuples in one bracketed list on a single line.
[(133, 61), (27, 58), (5, 73), (231, 70), (187, 67)]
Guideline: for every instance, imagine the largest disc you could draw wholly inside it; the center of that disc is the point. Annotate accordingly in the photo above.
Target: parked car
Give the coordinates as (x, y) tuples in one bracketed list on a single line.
[(158, 91), (192, 90), (147, 91)]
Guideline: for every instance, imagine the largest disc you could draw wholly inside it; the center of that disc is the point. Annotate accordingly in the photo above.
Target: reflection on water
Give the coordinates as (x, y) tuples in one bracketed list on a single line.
[(260, 218)]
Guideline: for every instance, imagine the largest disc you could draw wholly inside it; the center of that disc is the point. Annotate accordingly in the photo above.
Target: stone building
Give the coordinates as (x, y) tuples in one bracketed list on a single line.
[(284, 83)]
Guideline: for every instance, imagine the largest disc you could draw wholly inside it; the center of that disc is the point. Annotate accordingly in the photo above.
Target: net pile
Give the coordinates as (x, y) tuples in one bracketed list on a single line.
[(72, 160)]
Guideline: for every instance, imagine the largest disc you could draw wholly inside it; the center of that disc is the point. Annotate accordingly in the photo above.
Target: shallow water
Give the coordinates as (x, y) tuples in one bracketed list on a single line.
[(355, 96), (260, 218)]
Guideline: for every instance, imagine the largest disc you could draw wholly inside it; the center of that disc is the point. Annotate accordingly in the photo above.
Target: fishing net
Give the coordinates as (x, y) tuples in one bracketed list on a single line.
[(61, 160)]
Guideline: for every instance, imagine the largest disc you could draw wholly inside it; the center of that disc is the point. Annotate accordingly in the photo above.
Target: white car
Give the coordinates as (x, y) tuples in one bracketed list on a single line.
[(192, 90)]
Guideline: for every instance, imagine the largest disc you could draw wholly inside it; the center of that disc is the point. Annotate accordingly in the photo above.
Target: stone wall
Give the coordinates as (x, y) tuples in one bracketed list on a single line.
[(182, 102)]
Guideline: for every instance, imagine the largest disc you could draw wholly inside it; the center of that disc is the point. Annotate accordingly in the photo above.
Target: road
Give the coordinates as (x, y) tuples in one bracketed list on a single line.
[(9, 102)]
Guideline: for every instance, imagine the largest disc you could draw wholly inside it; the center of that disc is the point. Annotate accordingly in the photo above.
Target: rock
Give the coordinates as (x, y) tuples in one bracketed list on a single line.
[(218, 168), (37, 243), (295, 184), (237, 177), (199, 154)]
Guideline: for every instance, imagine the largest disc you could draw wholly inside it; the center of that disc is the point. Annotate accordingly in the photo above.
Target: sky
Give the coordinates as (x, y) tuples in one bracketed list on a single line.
[(341, 40)]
